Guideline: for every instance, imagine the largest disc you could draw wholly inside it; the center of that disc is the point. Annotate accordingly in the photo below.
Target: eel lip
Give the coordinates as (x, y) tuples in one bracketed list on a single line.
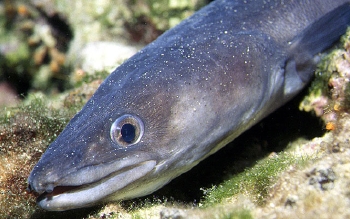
[(69, 197), (57, 191)]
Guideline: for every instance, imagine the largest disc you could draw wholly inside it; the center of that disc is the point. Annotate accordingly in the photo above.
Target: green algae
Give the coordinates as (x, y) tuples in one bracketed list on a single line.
[(241, 214), (255, 182), (165, 14), (25, 132), (86, 78)]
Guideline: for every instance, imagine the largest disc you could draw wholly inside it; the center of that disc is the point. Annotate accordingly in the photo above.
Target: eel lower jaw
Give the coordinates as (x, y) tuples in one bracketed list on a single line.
[(70, 197)]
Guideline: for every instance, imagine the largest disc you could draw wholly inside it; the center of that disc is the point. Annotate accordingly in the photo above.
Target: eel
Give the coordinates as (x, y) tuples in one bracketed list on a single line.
[(185, 96)]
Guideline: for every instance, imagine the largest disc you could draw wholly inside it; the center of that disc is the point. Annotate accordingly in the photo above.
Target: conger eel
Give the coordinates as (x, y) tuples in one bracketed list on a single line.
[(185, 96)]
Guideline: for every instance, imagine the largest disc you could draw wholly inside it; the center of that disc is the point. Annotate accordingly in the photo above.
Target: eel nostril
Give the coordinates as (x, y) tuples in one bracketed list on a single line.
[(29, 188), (49, 188)]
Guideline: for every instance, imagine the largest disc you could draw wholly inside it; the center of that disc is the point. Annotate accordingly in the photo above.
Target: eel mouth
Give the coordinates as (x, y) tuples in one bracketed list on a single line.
[(69, 197), (58, 191)]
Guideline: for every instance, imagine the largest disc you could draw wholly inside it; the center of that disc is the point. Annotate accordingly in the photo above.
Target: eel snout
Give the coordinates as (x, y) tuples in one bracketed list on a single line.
[(63, 194)]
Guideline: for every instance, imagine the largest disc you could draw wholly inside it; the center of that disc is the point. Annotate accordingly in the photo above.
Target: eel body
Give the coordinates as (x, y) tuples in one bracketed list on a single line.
[(185, 96)]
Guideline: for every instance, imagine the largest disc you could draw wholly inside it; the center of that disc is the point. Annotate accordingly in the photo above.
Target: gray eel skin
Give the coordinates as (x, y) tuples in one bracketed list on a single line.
[(185, 96)]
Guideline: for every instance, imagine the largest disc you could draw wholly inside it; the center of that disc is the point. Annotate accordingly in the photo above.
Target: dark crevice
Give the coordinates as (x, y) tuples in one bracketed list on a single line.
[(60, 28)]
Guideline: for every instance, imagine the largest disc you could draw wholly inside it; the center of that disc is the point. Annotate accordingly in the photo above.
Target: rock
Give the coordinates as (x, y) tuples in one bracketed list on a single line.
[(172, 213), (103, 56)]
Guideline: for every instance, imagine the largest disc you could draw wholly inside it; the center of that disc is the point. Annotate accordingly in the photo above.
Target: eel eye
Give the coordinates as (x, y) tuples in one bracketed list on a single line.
[(127, 130)]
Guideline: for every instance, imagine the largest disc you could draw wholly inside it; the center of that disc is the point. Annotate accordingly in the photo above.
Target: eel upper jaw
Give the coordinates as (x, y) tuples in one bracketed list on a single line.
[(69, 197)]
